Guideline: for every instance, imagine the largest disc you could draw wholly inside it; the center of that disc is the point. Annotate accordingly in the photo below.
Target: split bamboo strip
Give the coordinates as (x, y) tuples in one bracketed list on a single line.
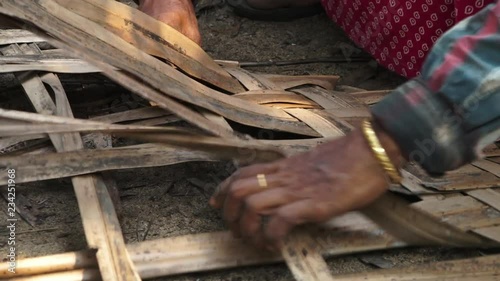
[(12, 36), (100, 223), (482, 268), (151, 36), (68, 26), (210, 251)]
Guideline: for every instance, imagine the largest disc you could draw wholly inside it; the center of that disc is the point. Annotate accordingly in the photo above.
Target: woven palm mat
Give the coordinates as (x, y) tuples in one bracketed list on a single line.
[(228, 108)]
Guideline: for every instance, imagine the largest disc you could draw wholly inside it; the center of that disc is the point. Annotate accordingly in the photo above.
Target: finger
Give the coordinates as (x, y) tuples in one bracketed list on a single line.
[(256, 205), (269, 199), (241, 189), (252, 228), (219, 197), (234, 227), (289, 216)]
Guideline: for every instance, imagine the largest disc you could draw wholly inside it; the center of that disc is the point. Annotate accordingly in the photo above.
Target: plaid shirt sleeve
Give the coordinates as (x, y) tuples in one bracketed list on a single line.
[(444, 118)]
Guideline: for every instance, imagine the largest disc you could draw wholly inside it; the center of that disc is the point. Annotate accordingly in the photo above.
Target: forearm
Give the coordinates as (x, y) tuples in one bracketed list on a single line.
[(443, 119)]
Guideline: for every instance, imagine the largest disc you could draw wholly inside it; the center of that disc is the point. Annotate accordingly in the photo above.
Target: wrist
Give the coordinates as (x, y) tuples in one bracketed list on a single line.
[(391, 147), (384, 149)]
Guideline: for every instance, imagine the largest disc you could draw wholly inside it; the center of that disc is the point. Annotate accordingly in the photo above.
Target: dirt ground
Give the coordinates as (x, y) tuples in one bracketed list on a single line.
[(173, 200)]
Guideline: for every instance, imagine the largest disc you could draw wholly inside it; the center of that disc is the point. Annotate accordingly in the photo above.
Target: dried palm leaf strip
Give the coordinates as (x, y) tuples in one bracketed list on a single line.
[(100, 44), (155, 38)]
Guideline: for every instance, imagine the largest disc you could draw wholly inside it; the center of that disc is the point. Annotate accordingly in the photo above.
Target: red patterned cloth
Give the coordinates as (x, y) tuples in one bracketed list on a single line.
[(397, 33)]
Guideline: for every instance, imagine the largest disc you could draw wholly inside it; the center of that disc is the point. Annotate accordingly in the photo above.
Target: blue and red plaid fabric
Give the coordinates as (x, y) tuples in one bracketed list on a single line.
[(444, 118)]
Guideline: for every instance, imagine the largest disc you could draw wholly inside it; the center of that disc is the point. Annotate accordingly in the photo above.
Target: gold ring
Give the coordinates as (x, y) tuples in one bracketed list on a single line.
[(261, 178)]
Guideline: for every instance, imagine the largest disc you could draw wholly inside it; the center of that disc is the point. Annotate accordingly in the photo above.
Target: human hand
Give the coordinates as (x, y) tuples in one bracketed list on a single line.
[(178, 14), (334, 178)]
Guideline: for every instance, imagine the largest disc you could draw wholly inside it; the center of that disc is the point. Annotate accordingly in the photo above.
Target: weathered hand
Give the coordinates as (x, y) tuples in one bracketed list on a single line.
[(179, 14), (334, 178)]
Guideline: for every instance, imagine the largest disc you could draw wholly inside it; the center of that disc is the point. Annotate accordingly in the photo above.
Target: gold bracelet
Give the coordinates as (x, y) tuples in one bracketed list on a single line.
[(380, 153)]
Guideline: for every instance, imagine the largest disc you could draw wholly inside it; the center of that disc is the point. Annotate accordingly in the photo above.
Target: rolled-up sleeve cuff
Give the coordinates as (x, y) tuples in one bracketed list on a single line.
[(425, 126)]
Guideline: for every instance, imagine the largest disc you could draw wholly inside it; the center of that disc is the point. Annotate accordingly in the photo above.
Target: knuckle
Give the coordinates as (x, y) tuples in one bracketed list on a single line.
[(235, 193), (284, 216), (321, 211), (251, 205)]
